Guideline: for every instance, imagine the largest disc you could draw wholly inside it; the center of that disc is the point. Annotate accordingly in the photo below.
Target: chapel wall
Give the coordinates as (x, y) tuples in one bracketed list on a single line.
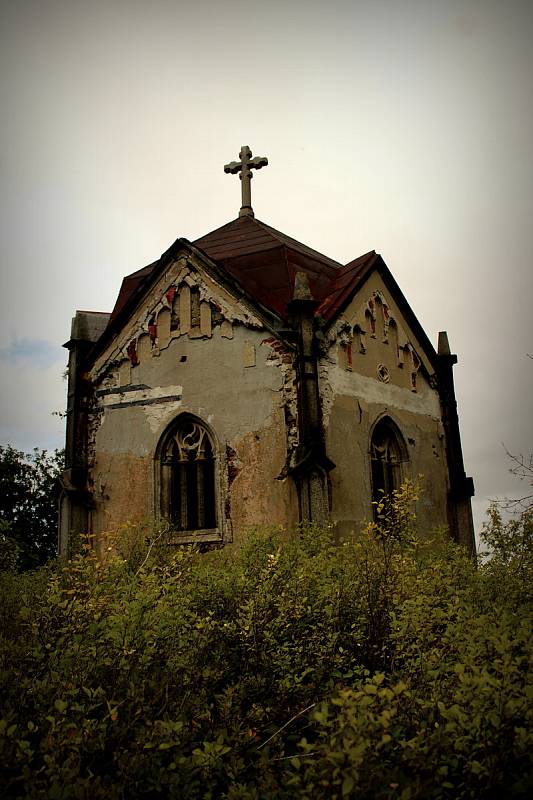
[(234, 376), (373, 366), (348, 434)]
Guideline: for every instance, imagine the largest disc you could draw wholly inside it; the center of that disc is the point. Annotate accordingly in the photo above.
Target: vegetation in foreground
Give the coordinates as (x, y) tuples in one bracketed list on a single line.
[(385, 667)]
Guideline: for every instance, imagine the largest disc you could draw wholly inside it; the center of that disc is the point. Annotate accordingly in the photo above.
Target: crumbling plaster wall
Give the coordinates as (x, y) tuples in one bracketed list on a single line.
[(371, 366), (223, 366)]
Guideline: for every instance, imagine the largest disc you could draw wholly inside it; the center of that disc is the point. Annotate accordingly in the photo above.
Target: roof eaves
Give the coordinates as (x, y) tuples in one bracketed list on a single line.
[(407, 311), (140, 289), (331, 310), (269, 316), (378, 264)]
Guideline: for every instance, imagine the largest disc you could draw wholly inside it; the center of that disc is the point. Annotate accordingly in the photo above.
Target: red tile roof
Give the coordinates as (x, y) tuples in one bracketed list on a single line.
[(344, 284), (129, 284), (264, 262)]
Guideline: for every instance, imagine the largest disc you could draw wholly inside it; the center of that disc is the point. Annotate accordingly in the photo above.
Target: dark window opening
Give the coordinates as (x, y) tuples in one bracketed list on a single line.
[(188, 478), (386, 456)]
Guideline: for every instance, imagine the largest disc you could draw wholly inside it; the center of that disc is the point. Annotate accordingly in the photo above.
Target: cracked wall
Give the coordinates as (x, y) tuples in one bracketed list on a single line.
[(372, 365), (193, 347)]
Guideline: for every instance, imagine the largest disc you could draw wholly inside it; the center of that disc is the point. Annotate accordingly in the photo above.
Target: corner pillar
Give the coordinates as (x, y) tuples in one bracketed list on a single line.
[(461, 487), (74, 496), (313, 465)]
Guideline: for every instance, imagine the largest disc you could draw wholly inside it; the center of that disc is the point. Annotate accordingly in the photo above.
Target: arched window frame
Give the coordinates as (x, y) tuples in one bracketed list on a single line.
[(386, 436), (220, 531)]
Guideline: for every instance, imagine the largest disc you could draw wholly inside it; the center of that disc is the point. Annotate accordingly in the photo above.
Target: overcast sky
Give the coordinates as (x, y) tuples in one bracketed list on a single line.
[(404, 126)]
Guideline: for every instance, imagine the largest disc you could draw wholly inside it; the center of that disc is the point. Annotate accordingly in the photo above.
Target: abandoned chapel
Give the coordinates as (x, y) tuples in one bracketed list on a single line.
[(246, 379)]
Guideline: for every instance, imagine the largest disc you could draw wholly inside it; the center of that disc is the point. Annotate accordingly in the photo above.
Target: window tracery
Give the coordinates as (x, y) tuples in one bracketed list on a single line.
[(387, 452), (188, 477)]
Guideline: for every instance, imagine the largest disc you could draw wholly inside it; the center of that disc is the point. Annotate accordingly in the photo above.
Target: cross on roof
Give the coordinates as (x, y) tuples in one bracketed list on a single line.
[(244, 167)]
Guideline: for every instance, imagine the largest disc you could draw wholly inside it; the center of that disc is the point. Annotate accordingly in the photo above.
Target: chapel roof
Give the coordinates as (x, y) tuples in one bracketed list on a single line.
[(264, 263)]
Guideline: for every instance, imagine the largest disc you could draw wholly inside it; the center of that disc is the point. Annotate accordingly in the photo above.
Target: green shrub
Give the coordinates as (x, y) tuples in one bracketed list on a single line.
[(383, 667)]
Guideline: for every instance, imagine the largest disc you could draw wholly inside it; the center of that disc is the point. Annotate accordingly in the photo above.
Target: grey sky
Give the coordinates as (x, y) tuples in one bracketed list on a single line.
[(401, 126)]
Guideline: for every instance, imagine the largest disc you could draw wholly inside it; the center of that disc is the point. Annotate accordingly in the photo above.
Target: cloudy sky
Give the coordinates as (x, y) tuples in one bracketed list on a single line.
[(404, 126)]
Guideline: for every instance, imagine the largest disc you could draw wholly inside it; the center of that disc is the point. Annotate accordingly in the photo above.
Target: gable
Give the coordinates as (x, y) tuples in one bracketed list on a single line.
[(184, 300), (377, 338)]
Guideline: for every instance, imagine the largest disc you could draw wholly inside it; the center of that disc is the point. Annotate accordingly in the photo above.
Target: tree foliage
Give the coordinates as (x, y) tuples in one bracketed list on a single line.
[(389, 666), (28, 507)]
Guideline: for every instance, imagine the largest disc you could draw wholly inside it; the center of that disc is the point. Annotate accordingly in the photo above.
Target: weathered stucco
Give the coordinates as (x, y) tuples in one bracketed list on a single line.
[(233, 375), (290, 406), (372, 365)]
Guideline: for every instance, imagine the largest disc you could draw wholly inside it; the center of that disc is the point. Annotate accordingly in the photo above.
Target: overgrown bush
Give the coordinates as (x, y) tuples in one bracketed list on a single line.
[(383, 667)]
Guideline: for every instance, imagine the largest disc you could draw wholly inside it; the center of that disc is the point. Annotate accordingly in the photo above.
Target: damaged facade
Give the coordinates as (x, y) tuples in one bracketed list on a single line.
[(245, 379)]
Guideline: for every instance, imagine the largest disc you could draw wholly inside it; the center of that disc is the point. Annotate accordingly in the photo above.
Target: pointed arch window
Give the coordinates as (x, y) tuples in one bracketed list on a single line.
[(387, 453), (188, 477)]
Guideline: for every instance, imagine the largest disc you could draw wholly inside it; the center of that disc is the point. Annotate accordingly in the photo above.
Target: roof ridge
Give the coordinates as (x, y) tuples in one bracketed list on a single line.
[(355, 262), (360, 258), (263, 260), (287, 240), (220, 228)]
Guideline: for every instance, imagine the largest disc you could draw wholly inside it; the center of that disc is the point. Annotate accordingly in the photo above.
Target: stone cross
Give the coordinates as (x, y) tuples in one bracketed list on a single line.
[(244, 167)]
